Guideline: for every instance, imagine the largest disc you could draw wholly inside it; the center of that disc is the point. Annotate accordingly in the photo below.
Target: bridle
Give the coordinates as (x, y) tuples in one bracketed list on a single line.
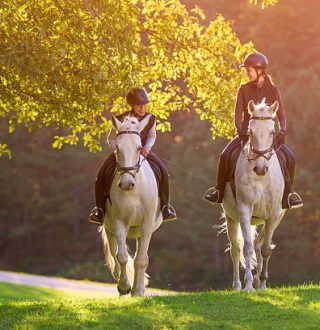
[(267, 153), (127, 169)]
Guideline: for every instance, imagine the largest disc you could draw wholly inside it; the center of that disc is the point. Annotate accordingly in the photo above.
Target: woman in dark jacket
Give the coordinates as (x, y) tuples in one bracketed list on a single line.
[(138, 99), (260, 86)]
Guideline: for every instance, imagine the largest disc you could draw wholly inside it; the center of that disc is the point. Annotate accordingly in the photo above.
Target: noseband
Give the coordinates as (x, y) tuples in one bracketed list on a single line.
[(127, 169), (267, 153)]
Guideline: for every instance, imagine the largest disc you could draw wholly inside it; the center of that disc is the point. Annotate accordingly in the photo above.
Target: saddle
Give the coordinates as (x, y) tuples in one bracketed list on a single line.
[(232, 163)]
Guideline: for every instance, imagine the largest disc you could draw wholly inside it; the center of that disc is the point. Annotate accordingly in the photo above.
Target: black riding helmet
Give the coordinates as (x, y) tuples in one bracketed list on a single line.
[(137, 96), (255, 60)]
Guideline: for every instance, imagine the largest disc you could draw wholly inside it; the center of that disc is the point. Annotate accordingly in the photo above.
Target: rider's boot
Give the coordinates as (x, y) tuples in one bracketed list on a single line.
[(294, 200), (96, 216), (212, 195), (169, 213)]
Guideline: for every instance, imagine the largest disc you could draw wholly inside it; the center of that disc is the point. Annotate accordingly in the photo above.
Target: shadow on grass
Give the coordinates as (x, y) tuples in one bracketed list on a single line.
[(288, 308), (21, 292)]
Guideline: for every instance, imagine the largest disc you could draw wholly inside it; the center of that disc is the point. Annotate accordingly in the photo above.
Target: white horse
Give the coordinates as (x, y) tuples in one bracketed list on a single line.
[(134, 211), (259, 188)]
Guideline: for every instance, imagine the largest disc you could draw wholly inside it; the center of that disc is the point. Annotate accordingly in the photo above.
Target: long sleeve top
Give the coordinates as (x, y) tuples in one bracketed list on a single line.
[(148, 134), (250, 91)]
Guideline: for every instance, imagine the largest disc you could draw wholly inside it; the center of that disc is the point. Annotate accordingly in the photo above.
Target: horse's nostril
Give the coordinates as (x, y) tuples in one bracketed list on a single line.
[(119, 184), (132, 185), (255, 169)]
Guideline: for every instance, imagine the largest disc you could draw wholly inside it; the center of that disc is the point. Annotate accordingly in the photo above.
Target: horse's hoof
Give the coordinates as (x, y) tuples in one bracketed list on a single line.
[(137, 294), (249, 288), (123, 292), (237, 286), (256, 282)]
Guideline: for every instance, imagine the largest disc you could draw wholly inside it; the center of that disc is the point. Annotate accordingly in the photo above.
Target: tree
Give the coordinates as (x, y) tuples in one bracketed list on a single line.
[(68, 64)]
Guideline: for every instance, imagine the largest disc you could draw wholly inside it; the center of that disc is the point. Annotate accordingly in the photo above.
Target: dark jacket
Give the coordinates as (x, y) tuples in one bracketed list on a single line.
[(250, 91), (145, 132)]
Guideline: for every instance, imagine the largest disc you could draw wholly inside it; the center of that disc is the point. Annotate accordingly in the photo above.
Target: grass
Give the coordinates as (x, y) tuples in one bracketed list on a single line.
[(282, 308)]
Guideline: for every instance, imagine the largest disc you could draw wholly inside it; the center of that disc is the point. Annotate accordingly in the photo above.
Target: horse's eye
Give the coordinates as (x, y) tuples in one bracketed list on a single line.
[(139, 148)]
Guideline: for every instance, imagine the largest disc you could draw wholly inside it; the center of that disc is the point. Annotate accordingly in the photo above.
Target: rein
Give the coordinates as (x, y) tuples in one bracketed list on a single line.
[(127, 169), (267, 153)]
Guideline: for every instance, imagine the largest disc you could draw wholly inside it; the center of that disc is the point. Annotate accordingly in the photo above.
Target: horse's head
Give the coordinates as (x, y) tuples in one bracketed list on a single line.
[(262, 130), (128, 146)]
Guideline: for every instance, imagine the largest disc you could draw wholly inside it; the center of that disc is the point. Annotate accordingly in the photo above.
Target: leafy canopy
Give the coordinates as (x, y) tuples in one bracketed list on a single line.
[(67, 64)]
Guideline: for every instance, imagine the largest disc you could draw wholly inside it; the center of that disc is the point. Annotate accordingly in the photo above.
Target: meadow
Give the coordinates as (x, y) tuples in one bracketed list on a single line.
[(24, 307)]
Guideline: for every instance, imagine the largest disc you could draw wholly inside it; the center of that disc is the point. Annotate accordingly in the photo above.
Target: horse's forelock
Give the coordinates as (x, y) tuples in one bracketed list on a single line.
[(129, 124), (262, 110)]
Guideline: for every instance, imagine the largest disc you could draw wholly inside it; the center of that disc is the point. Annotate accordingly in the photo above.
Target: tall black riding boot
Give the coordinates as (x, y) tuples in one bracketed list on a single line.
[(102, 189), (163, 178)]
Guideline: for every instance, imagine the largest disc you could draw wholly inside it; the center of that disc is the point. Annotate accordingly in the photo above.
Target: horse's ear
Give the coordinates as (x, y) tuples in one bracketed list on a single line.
[(143, 123), (250, 107), (116, 123), (274, 107)]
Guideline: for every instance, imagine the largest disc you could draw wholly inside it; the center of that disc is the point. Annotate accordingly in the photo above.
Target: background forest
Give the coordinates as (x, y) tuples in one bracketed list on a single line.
[(46, 195)]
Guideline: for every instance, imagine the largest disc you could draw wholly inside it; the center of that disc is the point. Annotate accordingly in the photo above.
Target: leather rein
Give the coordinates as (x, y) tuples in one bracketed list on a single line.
[(267, 153), (127, 169)]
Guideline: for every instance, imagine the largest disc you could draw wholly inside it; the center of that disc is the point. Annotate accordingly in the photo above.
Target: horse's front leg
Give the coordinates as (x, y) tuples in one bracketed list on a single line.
[(245, 214), (257, 247), (124, 286), (266, 250), (232, 231), (141, 260)]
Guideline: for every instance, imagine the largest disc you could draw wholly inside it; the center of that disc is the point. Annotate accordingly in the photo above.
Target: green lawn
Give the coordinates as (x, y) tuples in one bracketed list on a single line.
[(24, 307)]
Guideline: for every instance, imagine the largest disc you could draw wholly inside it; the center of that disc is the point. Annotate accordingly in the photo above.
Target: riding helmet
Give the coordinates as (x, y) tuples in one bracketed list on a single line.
[(256, 60), (137, 96)]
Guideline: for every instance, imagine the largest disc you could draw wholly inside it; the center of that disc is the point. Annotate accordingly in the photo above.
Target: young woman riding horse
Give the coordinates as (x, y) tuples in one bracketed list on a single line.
[(138, 100), (259, 87)]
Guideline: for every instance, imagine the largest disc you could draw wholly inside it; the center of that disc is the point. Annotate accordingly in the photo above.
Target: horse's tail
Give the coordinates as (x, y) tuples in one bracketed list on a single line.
[(241, 244), (109, 259), (111, 262), (223, 229)]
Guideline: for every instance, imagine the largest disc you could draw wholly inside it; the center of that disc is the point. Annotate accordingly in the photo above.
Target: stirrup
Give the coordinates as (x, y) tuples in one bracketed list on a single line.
[(297, 199)]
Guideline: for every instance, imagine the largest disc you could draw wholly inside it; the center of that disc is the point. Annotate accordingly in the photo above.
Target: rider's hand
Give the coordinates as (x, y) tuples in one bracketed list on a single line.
[(280, 138), (243, 134), (145, 151)]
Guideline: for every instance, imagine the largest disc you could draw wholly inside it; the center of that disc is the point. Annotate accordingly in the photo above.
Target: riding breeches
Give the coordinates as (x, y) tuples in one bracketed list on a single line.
[(224, 167), (106, 175)]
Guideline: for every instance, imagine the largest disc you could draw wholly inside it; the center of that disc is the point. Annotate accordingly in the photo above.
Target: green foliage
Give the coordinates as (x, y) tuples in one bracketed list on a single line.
[(294, 308), (264, 3), (4, 150), (68, 64)]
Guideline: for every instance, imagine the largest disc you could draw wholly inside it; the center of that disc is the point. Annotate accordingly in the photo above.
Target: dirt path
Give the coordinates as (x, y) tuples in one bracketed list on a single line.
[(56, 283), (65, 284)]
